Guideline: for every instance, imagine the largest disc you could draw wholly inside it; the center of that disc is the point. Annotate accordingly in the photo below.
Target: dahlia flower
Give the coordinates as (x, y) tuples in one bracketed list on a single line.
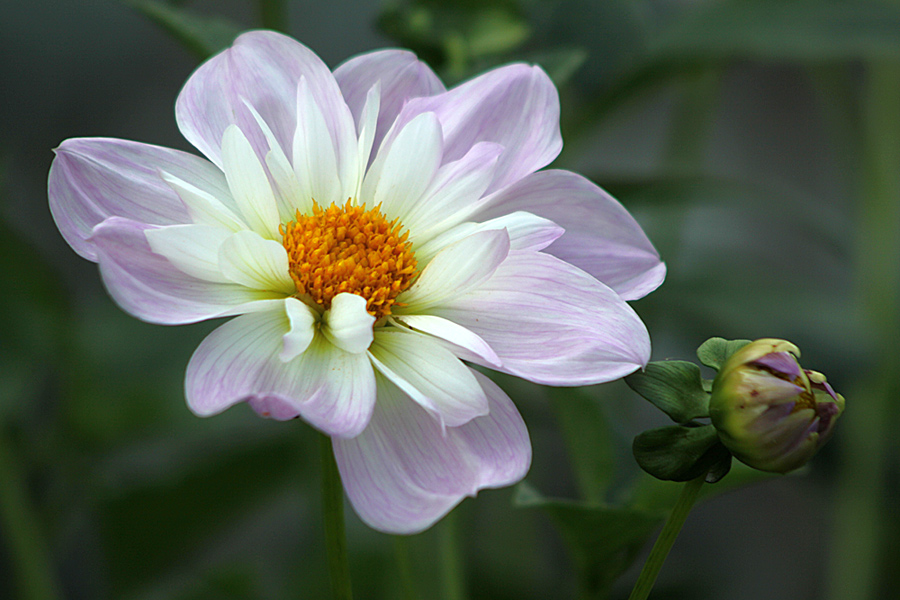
[(372, 234)]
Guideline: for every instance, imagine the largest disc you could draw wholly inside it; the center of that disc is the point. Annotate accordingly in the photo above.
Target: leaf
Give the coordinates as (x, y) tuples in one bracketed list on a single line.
[(791, 30), (715, 351), (560, 63), (588, 440), (682, 453), (603, 540), (675, 387), (201, 35)]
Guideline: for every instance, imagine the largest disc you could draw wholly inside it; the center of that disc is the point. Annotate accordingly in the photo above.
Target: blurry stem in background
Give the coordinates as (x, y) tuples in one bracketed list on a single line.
[(274, 14), (34, 574), (692, 120), (666, 538), (690, 124), (404, 567), (333, 517), (859, 510), (450, 553)]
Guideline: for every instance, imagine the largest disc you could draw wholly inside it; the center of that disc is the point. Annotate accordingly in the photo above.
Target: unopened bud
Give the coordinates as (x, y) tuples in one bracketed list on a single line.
[(770, 412)]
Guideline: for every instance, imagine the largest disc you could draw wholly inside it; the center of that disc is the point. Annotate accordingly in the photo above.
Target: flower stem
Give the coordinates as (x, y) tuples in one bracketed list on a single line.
[(404, 567), (333, 516), (666, 538), (454, 586), (23, 540)]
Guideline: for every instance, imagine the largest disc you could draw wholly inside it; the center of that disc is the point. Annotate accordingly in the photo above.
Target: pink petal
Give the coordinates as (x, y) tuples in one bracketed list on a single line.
[(262, 68), (601, 237), (402, 474), (552, 323), (95, 178), (515, 106), (331, 389), (151, 288), (401, 75)]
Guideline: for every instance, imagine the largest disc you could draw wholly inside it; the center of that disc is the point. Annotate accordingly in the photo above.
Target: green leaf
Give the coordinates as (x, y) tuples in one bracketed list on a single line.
[(681, 453), (201, 35), (588, 440), (675, 387), (792, 30), (715, 351), (560, 63), (602, 540)]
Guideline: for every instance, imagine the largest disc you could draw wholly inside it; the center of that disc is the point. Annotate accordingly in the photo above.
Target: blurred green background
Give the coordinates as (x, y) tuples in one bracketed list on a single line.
[(758, 143)]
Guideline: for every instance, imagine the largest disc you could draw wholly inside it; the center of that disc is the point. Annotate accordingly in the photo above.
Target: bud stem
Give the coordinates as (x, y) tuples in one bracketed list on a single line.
[(666, 538)]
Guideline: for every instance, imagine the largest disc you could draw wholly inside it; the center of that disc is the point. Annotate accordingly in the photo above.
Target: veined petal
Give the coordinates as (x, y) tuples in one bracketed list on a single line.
[(601, 236), (150, 287), (456, 269), (92, 179), (404, 168), (261, 68), (249, 184), (403, 473), (551, 323), (332, 389), (429, 374), (516, 106), (193, 249), (260, 264), (454, 193), (347, 324), (301, 321), (454, 333), (526, 232), (399, 73), (315, 159)]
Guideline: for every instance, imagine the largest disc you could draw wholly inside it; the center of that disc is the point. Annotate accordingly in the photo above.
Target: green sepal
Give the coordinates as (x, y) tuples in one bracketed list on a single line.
[(200, 34), (682, 453), (673, 386), (715, 351)]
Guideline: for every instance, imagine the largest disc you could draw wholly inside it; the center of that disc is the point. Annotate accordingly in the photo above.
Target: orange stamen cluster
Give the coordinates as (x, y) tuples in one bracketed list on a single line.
[(349, 249)]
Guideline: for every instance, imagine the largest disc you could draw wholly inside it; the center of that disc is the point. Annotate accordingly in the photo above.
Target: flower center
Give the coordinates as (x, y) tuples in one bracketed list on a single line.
[(349, 249)]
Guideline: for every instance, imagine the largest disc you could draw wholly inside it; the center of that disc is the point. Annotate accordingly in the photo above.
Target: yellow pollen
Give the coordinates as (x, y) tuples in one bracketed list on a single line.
[(349, 249)]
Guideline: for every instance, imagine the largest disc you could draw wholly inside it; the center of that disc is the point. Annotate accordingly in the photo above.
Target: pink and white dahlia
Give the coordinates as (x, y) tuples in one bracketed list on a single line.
[(373, 234)]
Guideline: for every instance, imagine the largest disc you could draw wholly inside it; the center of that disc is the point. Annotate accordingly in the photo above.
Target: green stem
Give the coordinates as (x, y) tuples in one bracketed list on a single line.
[(333, 516), (452, 574), (404, 567), (666, 538), (856, 569), (23, 539), (274, 14)]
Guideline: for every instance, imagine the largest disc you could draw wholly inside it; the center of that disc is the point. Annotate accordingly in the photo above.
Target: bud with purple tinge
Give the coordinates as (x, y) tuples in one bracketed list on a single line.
[(770, 412)]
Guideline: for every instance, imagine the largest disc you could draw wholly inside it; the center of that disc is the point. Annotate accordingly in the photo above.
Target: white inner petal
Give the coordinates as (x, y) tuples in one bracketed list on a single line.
[(257, 263), (204, 208), (453, 333), (456, 269), (193, 249), (249, 184), (302, 321), (403, 171), (526, 232), (315, 159), (347, 324), (430, 375), (290, 196), (368, 122)]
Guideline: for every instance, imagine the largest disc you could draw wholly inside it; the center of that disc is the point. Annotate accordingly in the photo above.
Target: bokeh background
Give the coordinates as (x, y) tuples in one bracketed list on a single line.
[(758, 143)]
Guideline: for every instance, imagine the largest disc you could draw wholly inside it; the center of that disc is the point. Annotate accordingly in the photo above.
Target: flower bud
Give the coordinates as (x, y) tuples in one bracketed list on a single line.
[(770, 412)]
